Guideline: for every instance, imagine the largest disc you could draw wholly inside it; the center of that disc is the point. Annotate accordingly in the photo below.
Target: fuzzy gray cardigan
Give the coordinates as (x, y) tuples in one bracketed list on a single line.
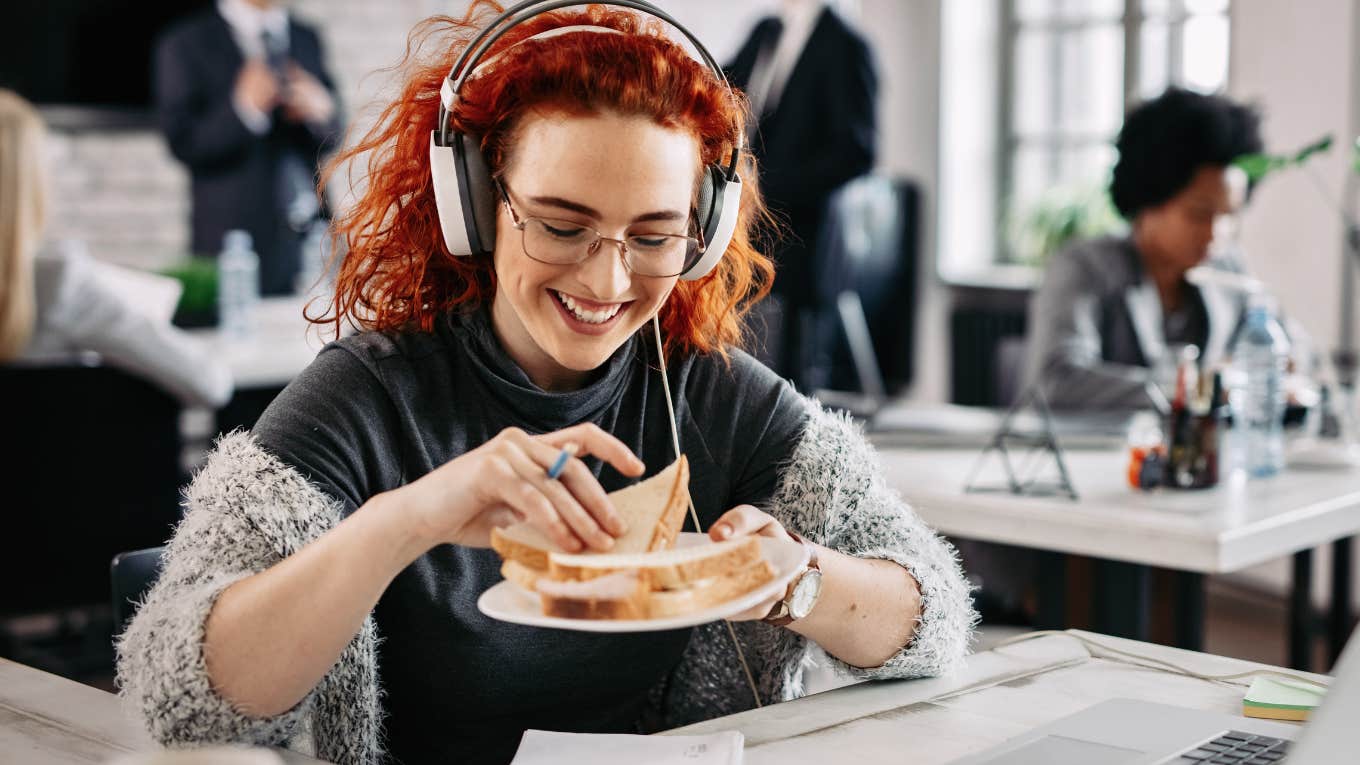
[(247, 511)]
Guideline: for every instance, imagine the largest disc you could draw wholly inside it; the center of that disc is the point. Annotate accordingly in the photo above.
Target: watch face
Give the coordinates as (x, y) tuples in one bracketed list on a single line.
[(805, 594)]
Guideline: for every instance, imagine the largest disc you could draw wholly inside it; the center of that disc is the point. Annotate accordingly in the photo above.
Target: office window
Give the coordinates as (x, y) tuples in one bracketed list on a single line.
[(1066, 65)]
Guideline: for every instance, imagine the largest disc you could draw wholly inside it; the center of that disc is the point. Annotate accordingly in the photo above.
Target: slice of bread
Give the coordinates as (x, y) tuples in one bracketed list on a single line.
[(653, 510), (624, 594), (520, 574), (709, 592), (621, 595), (665, 570)]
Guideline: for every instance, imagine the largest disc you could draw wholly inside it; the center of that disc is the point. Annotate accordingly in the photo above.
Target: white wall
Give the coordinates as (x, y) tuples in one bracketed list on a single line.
[(1294, 60), (1297, 61)]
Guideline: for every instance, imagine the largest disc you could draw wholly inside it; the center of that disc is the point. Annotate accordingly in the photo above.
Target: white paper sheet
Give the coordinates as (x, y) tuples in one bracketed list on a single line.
[(540, 747)]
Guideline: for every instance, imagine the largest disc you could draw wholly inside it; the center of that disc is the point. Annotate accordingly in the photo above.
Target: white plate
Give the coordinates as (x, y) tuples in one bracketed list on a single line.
[(509, 602)]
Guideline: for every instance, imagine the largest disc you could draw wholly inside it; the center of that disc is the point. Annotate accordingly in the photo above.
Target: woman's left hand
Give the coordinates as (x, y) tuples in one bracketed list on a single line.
[(745, 521)]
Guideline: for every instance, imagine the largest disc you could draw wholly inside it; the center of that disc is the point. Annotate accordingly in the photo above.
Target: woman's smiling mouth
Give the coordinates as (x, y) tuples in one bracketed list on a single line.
[(584, 315)]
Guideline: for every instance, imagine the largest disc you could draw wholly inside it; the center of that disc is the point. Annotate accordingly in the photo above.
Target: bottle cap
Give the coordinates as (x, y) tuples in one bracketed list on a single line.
[(237, 239)]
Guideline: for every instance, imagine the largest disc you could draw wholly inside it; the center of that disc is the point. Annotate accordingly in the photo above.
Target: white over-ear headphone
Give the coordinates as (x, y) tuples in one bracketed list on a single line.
[(465, 193)]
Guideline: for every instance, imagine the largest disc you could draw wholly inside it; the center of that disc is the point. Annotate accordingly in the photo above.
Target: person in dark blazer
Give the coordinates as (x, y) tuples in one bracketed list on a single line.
[(1106, 319), (811, 80), (246, 103)]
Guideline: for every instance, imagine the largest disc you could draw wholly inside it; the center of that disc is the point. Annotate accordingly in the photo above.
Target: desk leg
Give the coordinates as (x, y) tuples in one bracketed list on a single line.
[(1301, 612), (1342, 616), (1121, 607), (1190, 610)]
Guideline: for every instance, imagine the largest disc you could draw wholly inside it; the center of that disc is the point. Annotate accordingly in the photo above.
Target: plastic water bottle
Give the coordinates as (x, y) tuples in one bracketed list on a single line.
[(238, 284), (312, 279), (1260, 356)]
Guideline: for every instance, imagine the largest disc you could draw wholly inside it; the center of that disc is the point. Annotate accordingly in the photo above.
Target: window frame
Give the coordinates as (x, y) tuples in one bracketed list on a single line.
[(1009, 139)]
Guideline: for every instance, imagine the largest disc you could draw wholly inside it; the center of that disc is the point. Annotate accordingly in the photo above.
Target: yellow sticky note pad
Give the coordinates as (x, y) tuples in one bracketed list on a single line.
[(1281, 699)]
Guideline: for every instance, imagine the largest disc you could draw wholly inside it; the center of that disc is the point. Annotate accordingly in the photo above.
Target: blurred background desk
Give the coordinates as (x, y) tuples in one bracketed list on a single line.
[(1192, 532), (1000, 694), (282, 345)]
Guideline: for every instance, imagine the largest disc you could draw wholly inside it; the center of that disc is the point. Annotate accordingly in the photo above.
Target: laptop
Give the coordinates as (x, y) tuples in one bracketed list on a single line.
[(1129, 732)]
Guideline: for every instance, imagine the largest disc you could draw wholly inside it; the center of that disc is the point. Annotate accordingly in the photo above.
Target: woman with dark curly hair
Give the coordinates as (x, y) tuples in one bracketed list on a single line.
[(1108, 309), (321, 591)]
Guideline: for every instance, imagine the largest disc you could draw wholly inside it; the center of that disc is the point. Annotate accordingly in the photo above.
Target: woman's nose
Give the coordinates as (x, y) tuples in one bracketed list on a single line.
[(604, 272)]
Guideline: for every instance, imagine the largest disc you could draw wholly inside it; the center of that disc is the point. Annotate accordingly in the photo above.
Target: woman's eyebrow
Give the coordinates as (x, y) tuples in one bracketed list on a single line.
[(577, 207)]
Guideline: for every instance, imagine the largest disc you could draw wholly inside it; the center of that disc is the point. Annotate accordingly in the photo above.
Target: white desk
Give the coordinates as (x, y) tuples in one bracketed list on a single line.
[(283, 344), (1211, 531), (1206, 532), (49, 720), (46, 720), (1000, 695)]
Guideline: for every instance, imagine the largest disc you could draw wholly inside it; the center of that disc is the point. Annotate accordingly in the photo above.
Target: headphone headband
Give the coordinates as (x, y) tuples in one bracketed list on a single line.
[(470, 59)]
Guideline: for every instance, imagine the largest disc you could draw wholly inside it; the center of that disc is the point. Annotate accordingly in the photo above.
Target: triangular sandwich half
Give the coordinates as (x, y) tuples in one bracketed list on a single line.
[(653, 510)]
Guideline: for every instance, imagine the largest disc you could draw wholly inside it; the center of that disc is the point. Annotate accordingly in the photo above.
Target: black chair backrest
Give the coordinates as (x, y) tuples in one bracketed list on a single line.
[(875, 222), (92, 468), (132, 574)]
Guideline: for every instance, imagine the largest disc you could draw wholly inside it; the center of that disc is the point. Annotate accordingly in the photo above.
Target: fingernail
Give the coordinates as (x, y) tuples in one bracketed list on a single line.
[(723, 530)]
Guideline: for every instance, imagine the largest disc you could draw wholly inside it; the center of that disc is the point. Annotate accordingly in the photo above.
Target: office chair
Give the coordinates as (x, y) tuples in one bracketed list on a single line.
[(873, 231), (132, 574)]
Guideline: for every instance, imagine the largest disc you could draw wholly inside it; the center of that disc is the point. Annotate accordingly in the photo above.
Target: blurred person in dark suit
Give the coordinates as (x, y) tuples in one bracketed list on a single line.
[(245, 101), (59, 304), (812, 85)]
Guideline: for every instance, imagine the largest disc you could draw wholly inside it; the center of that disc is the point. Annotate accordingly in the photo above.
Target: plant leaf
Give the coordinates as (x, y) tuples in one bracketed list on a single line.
[(1258, 166), (1320, 145)]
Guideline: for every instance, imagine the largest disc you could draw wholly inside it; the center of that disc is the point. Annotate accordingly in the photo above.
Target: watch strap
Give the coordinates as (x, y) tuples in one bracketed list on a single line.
[(781, 614)]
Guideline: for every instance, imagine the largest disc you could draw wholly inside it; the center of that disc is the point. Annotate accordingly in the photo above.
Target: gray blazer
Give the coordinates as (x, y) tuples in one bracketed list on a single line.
[(1096, 330)]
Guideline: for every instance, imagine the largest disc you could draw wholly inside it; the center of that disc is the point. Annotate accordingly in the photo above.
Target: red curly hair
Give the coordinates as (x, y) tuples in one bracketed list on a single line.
[(396, 272)]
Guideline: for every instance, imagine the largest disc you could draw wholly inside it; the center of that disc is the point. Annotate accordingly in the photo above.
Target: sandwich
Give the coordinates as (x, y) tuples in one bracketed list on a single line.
[(645, 576)]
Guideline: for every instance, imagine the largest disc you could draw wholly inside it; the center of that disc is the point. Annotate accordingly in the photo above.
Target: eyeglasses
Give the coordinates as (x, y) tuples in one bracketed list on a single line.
[(560, 242)]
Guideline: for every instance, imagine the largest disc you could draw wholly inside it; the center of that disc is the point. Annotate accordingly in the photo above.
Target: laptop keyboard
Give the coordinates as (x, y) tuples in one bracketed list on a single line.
[(1237, 748)]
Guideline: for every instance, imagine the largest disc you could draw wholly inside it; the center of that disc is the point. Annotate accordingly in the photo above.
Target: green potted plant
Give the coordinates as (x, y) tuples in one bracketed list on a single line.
[(198, 302), (1057, 217)]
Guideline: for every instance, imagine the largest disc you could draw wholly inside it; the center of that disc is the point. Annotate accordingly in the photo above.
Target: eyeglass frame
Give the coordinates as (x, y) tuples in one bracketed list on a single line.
[(594, 247)]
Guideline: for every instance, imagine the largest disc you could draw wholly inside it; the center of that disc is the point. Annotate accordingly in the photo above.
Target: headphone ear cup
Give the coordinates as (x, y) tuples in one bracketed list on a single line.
[(477, 192), (703, 205), (463, 194), (717, 204)]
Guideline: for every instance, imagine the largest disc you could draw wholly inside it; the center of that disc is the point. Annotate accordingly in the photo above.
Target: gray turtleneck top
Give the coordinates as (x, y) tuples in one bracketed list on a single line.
[(376, 411)]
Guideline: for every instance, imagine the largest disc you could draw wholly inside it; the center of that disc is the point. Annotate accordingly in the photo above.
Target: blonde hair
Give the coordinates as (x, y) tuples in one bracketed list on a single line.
[(22, 203)]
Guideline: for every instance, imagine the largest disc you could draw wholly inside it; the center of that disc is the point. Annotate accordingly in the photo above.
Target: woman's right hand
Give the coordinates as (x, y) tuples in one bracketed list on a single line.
[(506, 480)]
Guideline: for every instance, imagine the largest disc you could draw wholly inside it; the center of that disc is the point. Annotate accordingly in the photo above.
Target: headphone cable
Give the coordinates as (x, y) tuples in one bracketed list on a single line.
[(694, 514)]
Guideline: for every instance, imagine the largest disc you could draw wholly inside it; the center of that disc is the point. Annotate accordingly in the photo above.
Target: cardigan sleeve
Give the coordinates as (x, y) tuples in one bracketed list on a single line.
[(830, 491), (835, 491), (245, 511)]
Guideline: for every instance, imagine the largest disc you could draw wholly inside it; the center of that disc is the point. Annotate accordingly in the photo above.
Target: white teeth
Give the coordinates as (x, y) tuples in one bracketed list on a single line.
[(589, 317)]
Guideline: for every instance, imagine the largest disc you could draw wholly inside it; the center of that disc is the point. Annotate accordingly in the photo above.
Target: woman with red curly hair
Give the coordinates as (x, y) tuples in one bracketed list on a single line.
[(321, 591)]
